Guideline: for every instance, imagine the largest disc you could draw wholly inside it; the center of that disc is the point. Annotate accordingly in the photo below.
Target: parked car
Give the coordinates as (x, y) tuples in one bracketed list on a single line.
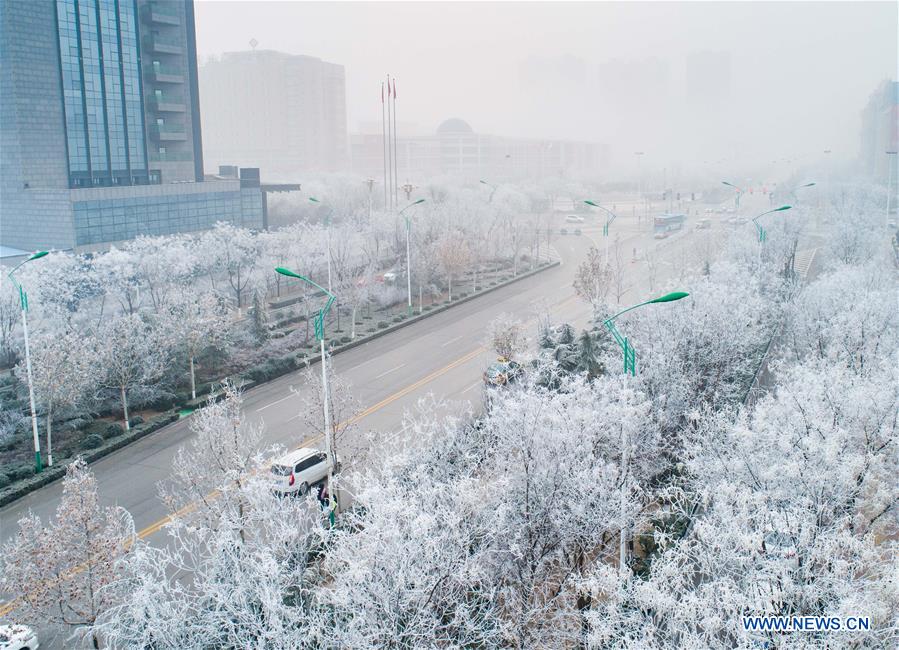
[(294, 472), (573, 218), (662, 234), (704, 224), (503, 372), (563, 231), (18, 637)]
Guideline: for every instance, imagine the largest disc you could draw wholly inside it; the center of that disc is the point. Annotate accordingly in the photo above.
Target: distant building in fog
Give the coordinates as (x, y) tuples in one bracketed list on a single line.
[(456, 149), (708, 77), (879, 130), (283, 112)]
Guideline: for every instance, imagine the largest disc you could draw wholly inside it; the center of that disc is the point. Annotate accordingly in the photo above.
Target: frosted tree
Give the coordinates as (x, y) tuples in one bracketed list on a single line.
[(506, 336), (209, 471), (251, 577), (62, 571), (63, 374), (132, 356), (196, 322), (453, 257), (233, 252), (592, 280), (10, 315), (343, 408)]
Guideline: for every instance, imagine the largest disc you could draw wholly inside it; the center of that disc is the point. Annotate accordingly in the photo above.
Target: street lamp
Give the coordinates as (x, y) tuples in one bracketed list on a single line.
[(605, 228), (312, 199), (739, 193), (319, 324), (762, 233), (23, 301), (370, 182), (630, 359), (408, 254), (892, 155), (492, 187)]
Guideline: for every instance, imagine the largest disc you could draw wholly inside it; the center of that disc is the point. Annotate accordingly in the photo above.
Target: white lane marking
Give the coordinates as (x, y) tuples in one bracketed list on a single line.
[(443, 345), (474, 385), (277, 401), (383, 374), (565, 286), (365, 363)]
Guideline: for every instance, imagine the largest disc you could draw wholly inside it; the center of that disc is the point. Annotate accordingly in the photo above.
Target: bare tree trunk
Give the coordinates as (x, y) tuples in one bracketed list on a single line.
[(353, 328), (125, 408), (450, 287), (50, 435)]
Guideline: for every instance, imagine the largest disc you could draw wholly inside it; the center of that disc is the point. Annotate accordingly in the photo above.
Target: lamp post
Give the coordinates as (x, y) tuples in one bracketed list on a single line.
[(23, 301), (892, 157), (762, 233), (370, 182), (799, 187), (320, 335), (408, 253), (739, 194), (492, 187), (312, 199), (630, 365), (605, 227)]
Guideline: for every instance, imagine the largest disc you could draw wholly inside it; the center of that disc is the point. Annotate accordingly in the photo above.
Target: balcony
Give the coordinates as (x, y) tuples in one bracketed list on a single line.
[(165, 74), (168, 132), (170, 156), (163, 13), (163, 44), (166, 103)]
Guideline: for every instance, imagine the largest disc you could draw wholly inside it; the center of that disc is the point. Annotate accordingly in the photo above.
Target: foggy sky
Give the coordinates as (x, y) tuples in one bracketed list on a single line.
[(607, 72)]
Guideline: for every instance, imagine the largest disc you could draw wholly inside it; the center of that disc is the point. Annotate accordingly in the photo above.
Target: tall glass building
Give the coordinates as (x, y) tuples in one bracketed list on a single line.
[(100, 135)]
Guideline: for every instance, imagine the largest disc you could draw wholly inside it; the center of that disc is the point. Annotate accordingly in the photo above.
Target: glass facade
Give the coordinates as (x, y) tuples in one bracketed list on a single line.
[(98, 48)]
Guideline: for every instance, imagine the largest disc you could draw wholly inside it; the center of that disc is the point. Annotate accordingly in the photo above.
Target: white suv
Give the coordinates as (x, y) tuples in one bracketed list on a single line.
[(294, 472), (573, 218)]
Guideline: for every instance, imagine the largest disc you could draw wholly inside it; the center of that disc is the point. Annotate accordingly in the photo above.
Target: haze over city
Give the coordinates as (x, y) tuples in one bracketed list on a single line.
[(494, 325), (795, 74)]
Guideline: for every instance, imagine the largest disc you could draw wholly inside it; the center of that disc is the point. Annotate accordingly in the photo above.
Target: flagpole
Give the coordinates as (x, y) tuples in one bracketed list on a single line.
[(396, 191), (389, 152), (384, 145)]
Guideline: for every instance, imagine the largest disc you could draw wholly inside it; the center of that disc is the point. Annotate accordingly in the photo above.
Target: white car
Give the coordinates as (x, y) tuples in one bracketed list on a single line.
[(18, 637), (573, 218), (294, 472)]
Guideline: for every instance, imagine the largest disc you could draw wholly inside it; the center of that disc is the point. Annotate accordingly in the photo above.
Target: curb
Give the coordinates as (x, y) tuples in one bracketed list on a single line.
[(26, 486)]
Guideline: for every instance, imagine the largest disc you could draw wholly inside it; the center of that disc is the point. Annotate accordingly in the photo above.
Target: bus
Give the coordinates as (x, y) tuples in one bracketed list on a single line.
[(667, 223)]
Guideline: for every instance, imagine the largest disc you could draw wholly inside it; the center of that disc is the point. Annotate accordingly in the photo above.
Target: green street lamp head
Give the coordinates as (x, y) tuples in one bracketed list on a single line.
[(591, 203), (288, 272), (38, 255), (312, 199), (418, 201), (782, 208), (807, 185), (670, 297), (483, 182)]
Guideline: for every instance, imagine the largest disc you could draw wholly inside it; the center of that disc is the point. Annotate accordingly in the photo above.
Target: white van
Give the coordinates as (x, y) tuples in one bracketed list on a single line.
[(294, 472), (573, 218)]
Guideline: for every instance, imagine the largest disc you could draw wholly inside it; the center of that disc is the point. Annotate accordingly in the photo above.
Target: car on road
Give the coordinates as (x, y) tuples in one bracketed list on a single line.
[(391, 276), (503, 372), (704, 224), (18, 637), (573, 218), (297, 470), (662, 234)]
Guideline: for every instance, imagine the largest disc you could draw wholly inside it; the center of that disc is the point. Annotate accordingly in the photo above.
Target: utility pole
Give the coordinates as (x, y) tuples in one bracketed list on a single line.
[(370, 182)]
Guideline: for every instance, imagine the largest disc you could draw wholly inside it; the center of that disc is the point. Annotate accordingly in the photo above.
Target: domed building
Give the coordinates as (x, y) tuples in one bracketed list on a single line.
[(455, 148)]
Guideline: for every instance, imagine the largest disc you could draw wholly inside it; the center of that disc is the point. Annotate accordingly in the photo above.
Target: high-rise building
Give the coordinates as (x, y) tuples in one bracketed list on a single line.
[(100, 125), (880, 132), (284, 112)]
